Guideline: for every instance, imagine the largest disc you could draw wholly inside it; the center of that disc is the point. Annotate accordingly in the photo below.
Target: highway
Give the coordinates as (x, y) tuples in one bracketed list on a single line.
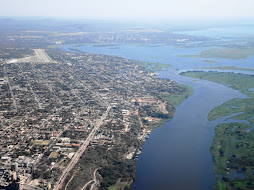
[(81, 150)]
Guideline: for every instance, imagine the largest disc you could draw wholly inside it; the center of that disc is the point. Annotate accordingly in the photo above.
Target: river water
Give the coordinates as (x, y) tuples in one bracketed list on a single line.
[(177, 155)]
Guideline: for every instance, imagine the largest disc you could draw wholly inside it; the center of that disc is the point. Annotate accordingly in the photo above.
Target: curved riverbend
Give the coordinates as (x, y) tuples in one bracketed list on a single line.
[(177, 155)]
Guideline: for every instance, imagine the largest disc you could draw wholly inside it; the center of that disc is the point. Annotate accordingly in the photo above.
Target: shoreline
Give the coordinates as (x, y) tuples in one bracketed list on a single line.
[(166, 121), (232, 170), (158, 117)]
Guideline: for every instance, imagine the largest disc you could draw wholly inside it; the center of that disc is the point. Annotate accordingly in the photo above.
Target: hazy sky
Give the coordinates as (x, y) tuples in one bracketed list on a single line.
[(131, 9)]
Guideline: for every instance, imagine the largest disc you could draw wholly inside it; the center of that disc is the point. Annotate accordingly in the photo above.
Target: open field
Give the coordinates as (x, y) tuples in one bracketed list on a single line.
[(40, 56), (153, 66), (41, 142), (226, 53), (54, 155), (240, 82), (176, 99), (229, 68)]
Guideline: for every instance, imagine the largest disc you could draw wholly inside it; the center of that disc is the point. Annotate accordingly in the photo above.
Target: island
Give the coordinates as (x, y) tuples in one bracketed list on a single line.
[(232, 147)]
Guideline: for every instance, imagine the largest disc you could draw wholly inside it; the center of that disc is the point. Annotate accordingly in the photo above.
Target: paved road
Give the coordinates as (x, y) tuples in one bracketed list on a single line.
[(43, 56), (10, 87), (81, 150)]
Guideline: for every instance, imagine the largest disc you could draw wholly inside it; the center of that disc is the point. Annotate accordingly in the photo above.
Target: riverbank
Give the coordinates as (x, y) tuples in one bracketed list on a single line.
[(233, 142), (152, 65), (225, 53), (139, 104), (167, 152), (177, 99)]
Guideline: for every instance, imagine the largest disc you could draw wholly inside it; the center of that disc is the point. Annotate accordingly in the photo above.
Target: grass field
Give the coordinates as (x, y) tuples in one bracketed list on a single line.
[(153, 66), (239, 82), (176, 99), (226, 53), (229, 68)]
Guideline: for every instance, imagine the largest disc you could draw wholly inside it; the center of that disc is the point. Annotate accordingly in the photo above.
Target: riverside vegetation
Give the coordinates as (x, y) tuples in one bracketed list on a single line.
[(233, 145), (224, 53)]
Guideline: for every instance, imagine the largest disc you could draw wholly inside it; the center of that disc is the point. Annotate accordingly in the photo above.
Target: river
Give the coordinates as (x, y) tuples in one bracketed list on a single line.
[(177, 155)]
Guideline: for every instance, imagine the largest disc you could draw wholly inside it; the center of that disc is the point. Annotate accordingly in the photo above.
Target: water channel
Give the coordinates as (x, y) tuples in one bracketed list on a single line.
[(177, 155)]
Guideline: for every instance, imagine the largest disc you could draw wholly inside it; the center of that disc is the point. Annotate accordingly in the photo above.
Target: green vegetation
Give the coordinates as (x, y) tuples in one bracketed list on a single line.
[(119, 186), (106, 45), (113, 172), (160, 66), (176, 99), (229, 68), (209, 61), (226, 53), (221, 185), (243, 106), (233, 144), (232, 151), (11, 53), (240, 82), (63, 45), (153, 66), (76, 50), (56, 46)]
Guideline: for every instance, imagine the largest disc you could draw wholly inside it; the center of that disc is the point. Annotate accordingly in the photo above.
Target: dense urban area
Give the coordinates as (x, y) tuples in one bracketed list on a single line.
[(70, 119), (75, 120)]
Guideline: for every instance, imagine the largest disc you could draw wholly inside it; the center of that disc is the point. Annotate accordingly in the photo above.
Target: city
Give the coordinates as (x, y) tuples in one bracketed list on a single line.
[(58, 108)]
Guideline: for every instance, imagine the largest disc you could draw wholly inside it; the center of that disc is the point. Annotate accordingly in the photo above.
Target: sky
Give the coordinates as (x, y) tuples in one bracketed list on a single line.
[(129, 9)]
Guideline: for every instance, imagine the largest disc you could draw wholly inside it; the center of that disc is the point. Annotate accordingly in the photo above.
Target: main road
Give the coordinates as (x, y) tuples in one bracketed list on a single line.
[(81, 150)]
